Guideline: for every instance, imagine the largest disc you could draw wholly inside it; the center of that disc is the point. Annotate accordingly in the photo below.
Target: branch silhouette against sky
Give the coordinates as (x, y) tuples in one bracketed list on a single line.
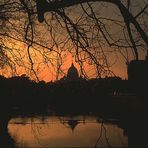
[(38, 38)]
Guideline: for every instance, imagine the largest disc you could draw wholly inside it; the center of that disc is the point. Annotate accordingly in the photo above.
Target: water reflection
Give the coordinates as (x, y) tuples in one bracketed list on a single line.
[(65, 132)]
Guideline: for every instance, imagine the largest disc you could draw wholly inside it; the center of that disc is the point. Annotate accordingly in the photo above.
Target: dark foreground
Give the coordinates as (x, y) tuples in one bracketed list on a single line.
[(129, 113), (121, 101)]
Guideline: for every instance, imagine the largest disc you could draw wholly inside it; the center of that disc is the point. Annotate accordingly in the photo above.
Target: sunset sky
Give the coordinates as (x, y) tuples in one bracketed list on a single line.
[(51, 40)]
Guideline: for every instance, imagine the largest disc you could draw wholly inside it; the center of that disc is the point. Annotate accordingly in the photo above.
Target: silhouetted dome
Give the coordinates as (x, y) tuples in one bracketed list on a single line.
[(72, 73)]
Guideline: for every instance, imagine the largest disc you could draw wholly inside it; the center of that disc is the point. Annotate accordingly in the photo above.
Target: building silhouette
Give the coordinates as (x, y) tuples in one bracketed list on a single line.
[(138, 71), (72, 73)]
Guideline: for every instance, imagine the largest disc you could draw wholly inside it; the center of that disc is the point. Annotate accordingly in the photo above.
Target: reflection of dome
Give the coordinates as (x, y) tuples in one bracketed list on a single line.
[(72, 73), (72, 124)]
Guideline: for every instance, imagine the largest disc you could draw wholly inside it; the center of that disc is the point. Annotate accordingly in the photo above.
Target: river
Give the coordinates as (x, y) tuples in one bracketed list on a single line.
[(65, 132)]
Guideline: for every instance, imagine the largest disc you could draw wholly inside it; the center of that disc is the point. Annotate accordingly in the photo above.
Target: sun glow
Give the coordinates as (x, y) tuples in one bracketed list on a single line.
[(47, 63)]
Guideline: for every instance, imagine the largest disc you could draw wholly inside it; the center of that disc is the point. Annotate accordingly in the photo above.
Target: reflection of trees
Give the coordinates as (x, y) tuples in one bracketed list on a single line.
[(82, 27), (52, 131), (39, 130), (103, 128)]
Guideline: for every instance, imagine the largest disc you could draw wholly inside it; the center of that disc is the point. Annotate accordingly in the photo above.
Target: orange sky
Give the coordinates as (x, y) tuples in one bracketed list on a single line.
[(45, 70), (47, 73)]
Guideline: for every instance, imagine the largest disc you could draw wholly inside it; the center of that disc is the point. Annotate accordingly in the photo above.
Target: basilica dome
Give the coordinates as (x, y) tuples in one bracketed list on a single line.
[(72, 73)]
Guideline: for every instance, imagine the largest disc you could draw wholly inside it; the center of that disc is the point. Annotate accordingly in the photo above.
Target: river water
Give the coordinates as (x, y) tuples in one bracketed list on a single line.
[(65, 132)]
